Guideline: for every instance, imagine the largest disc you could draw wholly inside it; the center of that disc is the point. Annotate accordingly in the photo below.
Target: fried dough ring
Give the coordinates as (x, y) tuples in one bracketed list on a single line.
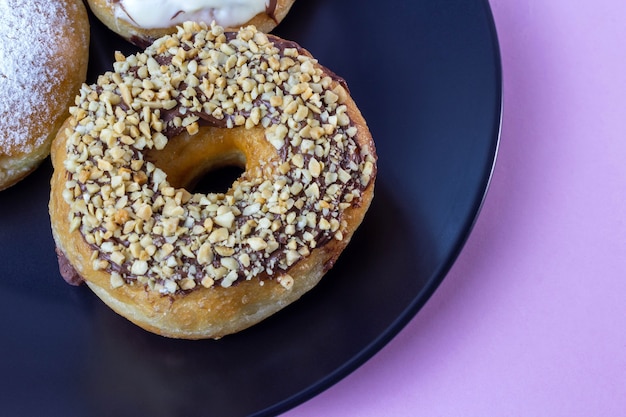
[(271, 278)]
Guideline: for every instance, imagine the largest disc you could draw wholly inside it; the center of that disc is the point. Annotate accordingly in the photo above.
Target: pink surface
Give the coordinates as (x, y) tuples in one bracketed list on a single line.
[(531, 321)]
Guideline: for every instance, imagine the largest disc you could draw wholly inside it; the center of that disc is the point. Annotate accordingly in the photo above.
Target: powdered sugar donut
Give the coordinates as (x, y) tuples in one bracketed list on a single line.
[(43, 62), (143, 21)]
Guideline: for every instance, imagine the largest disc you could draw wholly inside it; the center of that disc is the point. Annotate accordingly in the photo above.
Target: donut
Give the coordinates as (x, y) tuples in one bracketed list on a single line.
[(143, 21), (43, 62), (184, 264)]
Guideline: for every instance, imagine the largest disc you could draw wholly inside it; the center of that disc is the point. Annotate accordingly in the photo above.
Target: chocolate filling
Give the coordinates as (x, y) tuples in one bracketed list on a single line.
[(69, 274), (270, 10)]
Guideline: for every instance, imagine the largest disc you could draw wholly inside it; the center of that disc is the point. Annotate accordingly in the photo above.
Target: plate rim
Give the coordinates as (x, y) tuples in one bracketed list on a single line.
[(437, 277)]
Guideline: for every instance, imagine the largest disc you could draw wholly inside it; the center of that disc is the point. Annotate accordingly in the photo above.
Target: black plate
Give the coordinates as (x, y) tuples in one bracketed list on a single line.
[(426, 75)]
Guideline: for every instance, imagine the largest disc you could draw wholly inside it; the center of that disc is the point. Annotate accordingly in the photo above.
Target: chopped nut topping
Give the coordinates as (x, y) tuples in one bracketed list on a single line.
[(143, 229), (286, 281)]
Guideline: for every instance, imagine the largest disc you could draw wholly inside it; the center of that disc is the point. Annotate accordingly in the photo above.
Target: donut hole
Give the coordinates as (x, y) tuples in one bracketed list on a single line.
[(211, 160), (217, 180)]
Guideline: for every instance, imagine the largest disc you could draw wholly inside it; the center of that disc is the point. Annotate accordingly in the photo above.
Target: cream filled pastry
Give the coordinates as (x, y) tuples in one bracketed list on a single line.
[(142, 21), (163, 13)]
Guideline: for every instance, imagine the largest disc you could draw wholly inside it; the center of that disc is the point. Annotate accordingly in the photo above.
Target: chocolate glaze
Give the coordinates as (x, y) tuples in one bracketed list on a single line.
[(140, 41), (283, 44), (209, 120), (69, 274), (171, 131), (270, 10)]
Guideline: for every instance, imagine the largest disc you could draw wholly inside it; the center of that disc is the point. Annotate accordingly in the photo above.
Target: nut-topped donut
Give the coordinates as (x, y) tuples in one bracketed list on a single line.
[(194, 265), (43, 61), (143, 21)]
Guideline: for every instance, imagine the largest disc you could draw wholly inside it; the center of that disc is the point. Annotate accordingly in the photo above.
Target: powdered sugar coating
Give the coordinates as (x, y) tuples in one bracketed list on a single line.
[(32, 32)]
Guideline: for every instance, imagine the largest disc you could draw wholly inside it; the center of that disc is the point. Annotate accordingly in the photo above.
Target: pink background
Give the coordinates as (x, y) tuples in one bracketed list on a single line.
[(531, 320)]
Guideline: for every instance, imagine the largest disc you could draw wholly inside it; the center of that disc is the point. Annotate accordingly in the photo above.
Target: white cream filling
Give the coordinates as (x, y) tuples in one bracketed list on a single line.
[(150, 14)]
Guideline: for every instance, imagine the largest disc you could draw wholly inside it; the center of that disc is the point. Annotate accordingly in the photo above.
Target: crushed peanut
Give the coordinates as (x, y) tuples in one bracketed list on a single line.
[(143, 230)]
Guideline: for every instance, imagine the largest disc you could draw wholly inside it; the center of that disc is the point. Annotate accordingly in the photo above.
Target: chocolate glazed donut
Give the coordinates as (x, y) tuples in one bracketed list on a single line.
[(193, 265)]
